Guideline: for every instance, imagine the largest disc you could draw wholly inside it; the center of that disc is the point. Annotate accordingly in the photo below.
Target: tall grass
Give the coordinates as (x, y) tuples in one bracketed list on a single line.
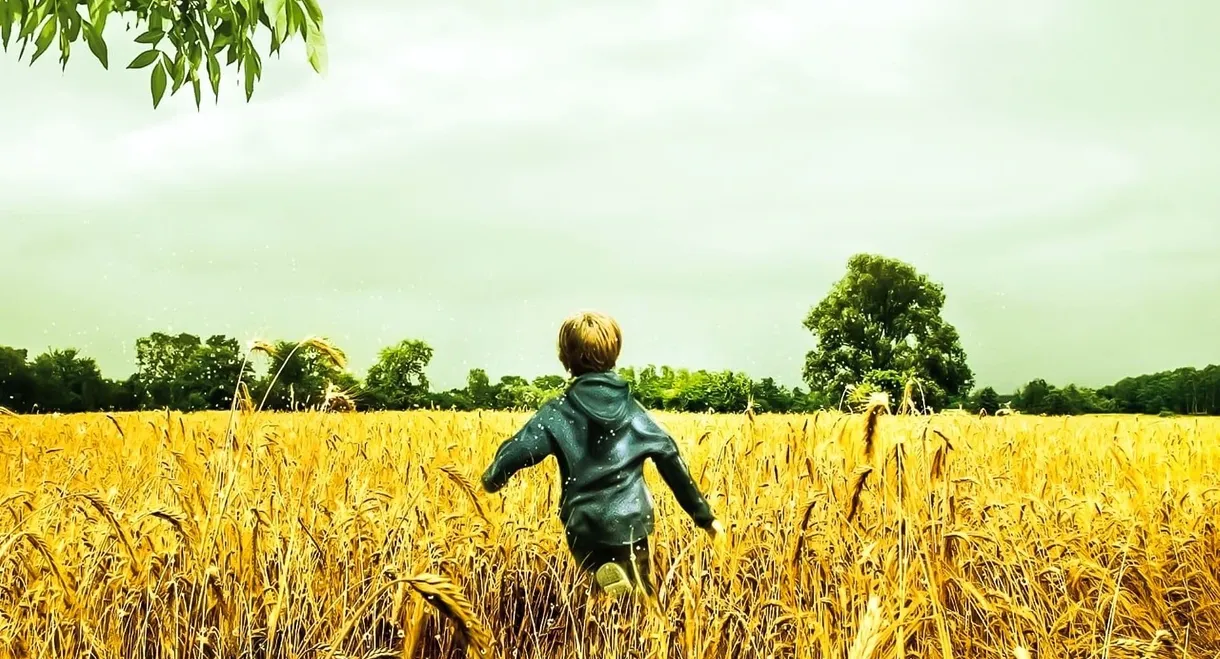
[(329, 535)]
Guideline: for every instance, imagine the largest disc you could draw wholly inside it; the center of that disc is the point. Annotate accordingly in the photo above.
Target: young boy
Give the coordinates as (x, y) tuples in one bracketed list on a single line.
[(600, 437)]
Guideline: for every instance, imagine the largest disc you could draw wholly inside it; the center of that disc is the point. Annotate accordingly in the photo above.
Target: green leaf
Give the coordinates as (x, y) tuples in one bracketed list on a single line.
[(6, 23), (45, 37), (214, 74), (158, 84), (73, 26), (97, 45), (33, 19), (156, 20), (315, 48), (98, 11), (65, 48), (144, 59), (104, 8), (315, 12), (220, 42), (152, 37), (254, 15), (178, 66), (295, 18), (250, 58), (276, 13), (201, 36), (198, 93), (251, 76)]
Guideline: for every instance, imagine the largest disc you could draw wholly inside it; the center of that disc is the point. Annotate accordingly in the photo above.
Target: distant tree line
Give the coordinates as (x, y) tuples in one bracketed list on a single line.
[(1180, 391), (879, 330), (184, 372), (187, 373)]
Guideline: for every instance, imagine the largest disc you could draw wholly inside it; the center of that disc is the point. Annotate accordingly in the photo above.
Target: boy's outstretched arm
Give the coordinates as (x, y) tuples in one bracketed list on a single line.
[(677, 476), (525, 449)]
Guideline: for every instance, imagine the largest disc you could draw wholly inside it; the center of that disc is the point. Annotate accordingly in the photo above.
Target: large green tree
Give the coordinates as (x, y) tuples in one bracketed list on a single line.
[(397, 381), (988, 399), (479, 389), (183, 373), (18, 387), (298, 375), (511, 392), (769, 396), (69, 383), (550, 382), (1033, 396), (161, 362), (884, 317), (183, 41), (723, 391), (213, 372)]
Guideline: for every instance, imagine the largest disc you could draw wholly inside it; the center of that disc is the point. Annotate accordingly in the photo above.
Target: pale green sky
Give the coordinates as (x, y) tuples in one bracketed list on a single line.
[(469, 174)]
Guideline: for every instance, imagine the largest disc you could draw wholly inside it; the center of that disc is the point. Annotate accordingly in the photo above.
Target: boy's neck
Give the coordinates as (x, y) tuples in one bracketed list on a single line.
[(588, 373)]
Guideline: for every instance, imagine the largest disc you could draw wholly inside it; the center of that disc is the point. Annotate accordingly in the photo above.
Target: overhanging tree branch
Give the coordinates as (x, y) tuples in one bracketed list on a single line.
[(182, 36)]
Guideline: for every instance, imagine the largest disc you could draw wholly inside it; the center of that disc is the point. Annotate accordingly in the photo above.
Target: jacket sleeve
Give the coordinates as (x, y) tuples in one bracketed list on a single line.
[(530, 446), (677, 476)]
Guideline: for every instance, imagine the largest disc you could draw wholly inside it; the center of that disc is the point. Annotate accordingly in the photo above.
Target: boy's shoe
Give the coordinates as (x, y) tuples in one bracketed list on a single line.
[(612, 579)]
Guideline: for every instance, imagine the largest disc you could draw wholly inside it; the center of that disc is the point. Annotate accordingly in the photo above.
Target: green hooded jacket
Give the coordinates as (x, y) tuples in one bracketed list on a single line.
[(600, 437)]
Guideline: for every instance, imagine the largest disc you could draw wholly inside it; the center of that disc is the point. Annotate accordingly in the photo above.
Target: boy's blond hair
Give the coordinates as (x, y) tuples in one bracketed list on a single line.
[(589, 342)]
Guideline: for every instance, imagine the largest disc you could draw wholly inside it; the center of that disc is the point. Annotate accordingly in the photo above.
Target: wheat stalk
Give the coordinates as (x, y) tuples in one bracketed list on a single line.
[(449, 600), (868, 636), (41, 547), (176, 519), (437, 591), (856, 488), (103, 508), (327, 349), (466, 486), (877, 404)]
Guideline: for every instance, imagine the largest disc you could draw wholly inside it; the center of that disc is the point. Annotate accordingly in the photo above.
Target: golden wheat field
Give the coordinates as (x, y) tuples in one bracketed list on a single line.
[(365, 535)]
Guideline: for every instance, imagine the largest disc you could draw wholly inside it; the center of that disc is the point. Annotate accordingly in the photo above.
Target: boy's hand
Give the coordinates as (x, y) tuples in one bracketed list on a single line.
[(717, 533)]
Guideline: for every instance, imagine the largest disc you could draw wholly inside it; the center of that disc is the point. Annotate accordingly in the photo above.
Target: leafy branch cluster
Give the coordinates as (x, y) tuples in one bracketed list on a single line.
[(185, 39)]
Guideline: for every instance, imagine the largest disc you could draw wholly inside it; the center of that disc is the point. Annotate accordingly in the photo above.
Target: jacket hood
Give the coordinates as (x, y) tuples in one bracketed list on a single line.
[(604, 397)]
